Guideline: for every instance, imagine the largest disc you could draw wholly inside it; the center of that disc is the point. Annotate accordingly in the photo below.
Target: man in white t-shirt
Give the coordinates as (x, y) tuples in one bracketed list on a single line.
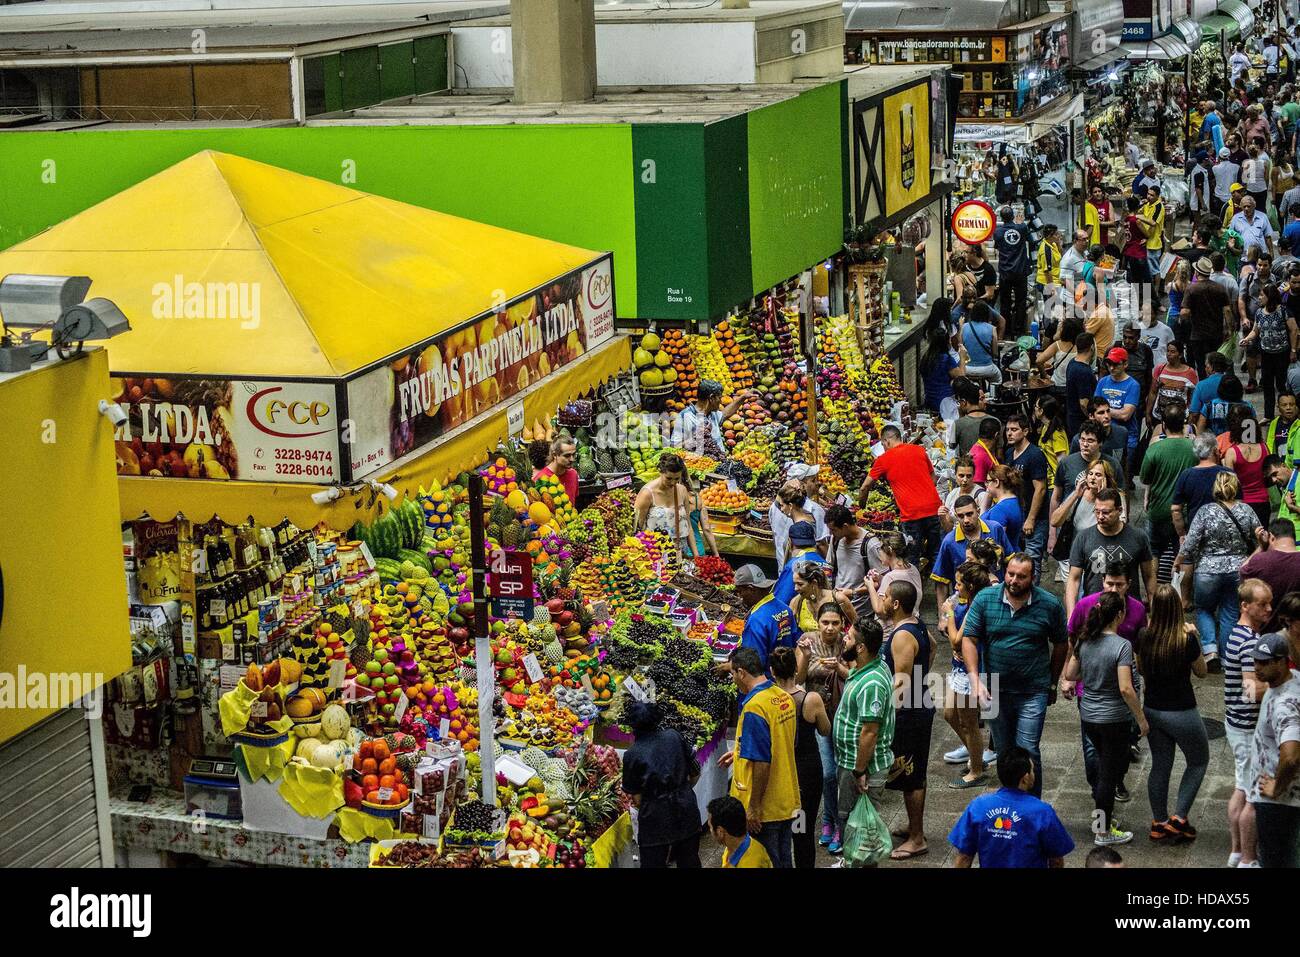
[(793, 491), (1238, 63), (1275, 756), (963, 484)]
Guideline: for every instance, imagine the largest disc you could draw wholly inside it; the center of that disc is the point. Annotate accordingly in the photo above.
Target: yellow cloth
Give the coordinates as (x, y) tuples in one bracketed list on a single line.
[(234, 707), (1156, 213), (752, 854), (609, 845), (356, 825), (311, 791), (1049, 265), (269, 762), (767, 705)]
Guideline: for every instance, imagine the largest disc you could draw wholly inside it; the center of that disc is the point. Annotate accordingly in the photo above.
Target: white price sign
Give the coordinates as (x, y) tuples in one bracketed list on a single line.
[(534, 669), (400, 709), (338, 671), (515, 418), (634, 689), (367, 555), (444, 728), (432, 827)]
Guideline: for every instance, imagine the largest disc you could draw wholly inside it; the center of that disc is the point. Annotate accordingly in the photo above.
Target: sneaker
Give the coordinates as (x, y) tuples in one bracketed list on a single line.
[(959, 756), (1234, 859), (1162, 832), (827, 832), (1185, 830), (1121, 793), (1113, 836), (836, 846), (1251, 864), (990, 757)]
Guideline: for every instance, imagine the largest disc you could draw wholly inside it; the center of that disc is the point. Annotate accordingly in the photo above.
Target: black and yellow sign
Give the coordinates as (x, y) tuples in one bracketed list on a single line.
[(907, 147)]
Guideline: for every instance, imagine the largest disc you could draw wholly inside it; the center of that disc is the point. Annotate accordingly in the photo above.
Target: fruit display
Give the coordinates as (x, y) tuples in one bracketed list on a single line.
[(714, 570), (710, 364), (742, 377), (501, 478), (654, 365), (688, 380), (718, 498)]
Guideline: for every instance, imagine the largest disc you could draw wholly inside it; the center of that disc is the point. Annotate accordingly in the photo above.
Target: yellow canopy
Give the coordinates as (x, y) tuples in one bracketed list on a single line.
[(269, 503), (327, 280)]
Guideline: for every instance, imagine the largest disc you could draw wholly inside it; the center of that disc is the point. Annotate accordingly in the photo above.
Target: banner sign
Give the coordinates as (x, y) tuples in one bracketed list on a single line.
[(446, 381), (907, 147), (510, 584), (207, 428)]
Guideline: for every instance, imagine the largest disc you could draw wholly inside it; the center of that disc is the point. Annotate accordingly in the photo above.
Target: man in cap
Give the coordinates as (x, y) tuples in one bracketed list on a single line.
[(1146, 177), (1123, 394), (1275, 756), (706, 414), (770, 624), (803, 548), (1225, 173), (1207, 314)]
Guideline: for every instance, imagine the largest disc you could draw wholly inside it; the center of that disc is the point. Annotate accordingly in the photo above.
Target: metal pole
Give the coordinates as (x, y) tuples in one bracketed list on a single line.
[(482, 643)]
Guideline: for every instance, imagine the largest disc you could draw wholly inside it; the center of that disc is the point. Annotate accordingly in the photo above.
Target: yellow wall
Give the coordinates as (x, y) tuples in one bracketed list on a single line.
[(60, 541)]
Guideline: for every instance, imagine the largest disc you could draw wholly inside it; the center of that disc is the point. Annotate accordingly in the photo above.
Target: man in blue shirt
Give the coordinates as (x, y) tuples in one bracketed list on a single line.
[(952, 550), (1029, 460), (1216, 364), (1212, 127), (1231, 393), (1011, 827), (1122, 393), (770, 624), (803, 548), (1291, 231), (1080, 382)]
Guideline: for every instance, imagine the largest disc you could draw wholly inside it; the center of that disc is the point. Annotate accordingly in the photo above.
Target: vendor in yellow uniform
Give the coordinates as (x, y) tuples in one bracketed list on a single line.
[(763, 772), (1153, 208), (728, 826)]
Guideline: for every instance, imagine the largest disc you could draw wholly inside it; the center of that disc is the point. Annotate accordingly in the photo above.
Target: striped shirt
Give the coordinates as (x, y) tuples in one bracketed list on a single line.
[(868, 696), (1240, 713)]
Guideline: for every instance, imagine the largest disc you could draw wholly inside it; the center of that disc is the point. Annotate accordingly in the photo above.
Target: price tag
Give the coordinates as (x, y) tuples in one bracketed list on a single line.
[(385, 795), (586, 683), (228, 650), (230, 675), (217, 608), (732, 486), (199, 561), (358, 608), (366, 554), (600, 610), (515, 418), (534, 669), (338, 670), (432, 827), (634, 689), (444, 728), (400, 708), (312, 551), (620, 481), (257, 710), (189, 636), (499, 851)]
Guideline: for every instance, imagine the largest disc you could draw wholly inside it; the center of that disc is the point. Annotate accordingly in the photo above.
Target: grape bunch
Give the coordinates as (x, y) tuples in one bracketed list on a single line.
[(664, 673), (690, 690), (739, 471), (475, 816), (717, 705), (684, 651), (646, 631), (621, 656)]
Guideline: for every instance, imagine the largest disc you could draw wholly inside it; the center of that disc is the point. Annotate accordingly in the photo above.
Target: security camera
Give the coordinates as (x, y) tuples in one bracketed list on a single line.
[(113, 412), (326, 495)]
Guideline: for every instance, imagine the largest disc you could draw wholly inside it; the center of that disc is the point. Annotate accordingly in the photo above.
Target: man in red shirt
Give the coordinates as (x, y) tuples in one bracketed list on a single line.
[(910, 475), (560, 464)]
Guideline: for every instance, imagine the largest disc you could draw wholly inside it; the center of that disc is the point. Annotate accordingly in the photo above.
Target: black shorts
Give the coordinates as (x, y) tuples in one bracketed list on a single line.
[(912, 727)]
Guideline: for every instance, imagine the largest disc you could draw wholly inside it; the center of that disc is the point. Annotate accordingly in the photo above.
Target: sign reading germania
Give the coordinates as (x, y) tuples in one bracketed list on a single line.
[(973, 221)]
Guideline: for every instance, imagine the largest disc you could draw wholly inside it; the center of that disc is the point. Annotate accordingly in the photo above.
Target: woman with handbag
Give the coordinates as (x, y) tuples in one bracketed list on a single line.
[(1222, 535), (1076, 512)]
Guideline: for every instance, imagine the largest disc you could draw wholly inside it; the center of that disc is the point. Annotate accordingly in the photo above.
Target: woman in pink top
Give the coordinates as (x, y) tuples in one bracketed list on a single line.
[(984, 453), (1246, 458), (1173, 381)]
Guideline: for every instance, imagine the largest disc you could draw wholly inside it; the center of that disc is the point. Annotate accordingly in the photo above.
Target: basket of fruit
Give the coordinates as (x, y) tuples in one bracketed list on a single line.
[(719, 498)]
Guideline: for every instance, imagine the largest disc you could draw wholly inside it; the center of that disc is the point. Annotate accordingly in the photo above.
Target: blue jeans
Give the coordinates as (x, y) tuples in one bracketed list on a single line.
[(1217, 607), (1036, 544), (1019, 721), (777, 839), (830, 790)]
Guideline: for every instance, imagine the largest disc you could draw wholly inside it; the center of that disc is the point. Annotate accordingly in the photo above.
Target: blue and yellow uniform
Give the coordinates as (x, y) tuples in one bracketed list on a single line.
[(769, 625), (750, 853), (765, 733)]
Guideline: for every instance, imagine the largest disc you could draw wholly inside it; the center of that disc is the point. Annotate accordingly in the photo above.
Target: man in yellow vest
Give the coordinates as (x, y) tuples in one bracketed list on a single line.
[(763, 773)]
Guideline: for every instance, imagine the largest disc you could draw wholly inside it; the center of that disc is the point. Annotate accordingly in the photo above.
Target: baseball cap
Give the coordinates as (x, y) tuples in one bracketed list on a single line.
[(753, 575), (1145, 162), (1224, 153), (1270, 647), (801, 470), (803, 533), (1117, 354), (1235, 186)]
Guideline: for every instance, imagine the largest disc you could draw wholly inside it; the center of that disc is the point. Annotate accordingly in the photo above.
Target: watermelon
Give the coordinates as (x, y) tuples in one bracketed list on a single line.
[(389, 569), (411, 516), (386, 536), (418, 558)]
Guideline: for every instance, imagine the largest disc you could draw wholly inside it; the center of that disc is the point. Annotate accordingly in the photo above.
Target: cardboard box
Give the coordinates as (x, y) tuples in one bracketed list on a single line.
[(266, 810)]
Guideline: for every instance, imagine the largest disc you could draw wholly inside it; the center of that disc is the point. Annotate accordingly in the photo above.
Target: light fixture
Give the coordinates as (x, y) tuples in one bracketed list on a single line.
[(384, 489), (113, 412), (327, 495), (56, 303)]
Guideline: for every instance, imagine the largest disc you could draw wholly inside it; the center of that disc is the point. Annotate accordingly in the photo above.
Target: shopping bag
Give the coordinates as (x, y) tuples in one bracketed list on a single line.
[(866, 838), (1229, 348)]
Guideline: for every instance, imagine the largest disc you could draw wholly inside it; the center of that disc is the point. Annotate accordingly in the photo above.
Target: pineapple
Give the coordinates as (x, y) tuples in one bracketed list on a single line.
[(513, 536)]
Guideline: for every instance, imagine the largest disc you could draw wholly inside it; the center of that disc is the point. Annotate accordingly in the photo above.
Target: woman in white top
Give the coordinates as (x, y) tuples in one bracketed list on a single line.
[(1056, 357), (663, 504), (1255, 172), (893, 549)]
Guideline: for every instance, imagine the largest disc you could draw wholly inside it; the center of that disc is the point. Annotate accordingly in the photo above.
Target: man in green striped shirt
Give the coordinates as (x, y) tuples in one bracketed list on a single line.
[(863, 732)]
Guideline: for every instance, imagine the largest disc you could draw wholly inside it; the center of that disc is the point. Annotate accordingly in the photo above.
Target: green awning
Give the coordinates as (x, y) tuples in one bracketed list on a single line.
[(1215, 22)]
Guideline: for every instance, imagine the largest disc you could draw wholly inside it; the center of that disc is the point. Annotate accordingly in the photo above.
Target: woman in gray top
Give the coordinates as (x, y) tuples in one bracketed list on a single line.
[(1223, 534), (1102, 662)]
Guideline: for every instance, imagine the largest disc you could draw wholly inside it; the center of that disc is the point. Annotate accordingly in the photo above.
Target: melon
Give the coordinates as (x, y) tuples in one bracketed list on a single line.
[(517, 500), (650, 342), (670, 376), (307, 747), (652, 377), (642, 358), (539, 513), (327, 755), (334, 722), (663, 360)]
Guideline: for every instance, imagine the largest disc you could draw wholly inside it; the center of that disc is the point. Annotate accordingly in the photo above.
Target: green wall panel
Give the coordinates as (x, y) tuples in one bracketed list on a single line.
[(397, 70), (333, 82), (796, 183), (430, 64), (668, 174), (569, 184), (726, 145), (360, 78)]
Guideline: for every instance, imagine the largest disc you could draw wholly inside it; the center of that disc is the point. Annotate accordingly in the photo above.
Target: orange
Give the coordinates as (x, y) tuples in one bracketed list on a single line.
[(387, 781), (369, 766), (388, 766), (381, 750)]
